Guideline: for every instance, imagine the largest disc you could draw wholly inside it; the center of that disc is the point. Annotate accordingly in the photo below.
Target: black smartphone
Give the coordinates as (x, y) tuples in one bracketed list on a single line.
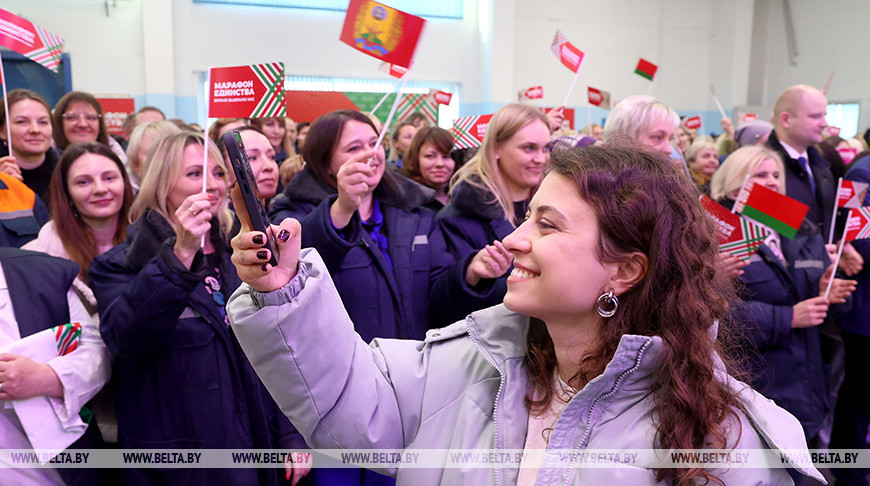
[(248, 187)]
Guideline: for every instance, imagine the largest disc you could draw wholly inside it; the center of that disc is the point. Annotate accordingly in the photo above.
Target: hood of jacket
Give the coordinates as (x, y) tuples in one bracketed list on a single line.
[(476, 201)]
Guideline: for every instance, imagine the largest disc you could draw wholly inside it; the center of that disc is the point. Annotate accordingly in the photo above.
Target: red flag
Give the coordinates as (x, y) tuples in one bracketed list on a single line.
[(468, 131), (770, 208), (533, 93), (441, 97), (750, 117), (31, 40), (381, 31), (851, 194), (834, 131), (393, 70), (646, 69), (570, 56), (247, 91), (115, 111), (599, 97), (858, 224), (693, 123), (737, 235)]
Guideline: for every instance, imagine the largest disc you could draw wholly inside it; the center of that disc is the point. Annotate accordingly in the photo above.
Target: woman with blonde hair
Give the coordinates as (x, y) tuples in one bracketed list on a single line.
[(782, 299), (142, 138), (703, 161), (489, 195), (182, 381), (645, 120)]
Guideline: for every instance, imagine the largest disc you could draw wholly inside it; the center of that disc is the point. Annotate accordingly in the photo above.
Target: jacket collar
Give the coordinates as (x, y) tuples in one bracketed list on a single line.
[(394, 190), (475, 200), (151, 231)]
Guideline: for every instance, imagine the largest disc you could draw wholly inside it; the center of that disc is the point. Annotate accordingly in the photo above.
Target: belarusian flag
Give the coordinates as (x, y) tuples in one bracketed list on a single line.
[(770, 208), (31, 40), (646, 69), (858, 224), (737, 236), (570, 56), (851, 194)]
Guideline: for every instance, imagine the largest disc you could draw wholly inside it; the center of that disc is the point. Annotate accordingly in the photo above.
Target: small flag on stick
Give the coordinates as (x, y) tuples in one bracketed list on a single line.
[(851, 194), (440, 97), (570, 56), (598, 97), (770, 208), (858, 224), (693, 123), (533, 93), (393, 70), (737, 235), (646, 69), (381, 31), (252, 91), (30, 40)]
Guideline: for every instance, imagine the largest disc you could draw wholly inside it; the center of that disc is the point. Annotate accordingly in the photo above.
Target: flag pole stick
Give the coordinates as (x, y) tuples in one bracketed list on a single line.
[(836, 264), (716, 100), (571, 89), (649, 90), (205, 141), (6, 107), (836, 203), (384, 98), (392, 111), (589, 121)]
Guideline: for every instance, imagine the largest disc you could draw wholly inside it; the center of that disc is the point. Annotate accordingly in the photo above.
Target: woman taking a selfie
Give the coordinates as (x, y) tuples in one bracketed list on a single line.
[(608, 325), (182, 381)]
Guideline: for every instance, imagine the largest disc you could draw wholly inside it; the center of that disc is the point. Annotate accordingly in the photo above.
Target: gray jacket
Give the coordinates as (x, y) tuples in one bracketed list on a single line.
[(461, 388)]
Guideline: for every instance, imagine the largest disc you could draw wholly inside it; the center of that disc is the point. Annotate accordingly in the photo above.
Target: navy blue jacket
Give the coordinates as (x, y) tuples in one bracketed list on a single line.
[(183, 382), (797, 185), (858, 319), (381, 302), (785, 364), (470, 221)]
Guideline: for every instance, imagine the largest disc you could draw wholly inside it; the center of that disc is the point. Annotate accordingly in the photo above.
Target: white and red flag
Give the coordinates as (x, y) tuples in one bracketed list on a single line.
[(570, 56), (598, 97), (31, 40), (533, 93)]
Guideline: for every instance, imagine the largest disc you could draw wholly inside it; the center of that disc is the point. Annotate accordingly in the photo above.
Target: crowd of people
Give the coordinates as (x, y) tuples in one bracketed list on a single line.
[(592, 306)]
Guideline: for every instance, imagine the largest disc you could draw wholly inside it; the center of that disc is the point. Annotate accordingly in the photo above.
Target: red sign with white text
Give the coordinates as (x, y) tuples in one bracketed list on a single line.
[(250, 91), (115, 111)]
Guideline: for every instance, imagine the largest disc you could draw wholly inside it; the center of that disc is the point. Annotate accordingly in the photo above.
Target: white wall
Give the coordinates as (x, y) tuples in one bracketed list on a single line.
[(157, 50)]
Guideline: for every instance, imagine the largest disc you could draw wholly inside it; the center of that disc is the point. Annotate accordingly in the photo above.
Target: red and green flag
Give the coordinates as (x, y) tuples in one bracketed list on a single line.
[(252, 91), (381, 31), (851, 194), (858, 224), (646, 69), (30, 40), (770, 208), (67, 337), (737, 235)]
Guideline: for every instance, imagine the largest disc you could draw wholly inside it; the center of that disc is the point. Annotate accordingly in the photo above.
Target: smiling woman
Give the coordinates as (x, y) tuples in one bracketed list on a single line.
[(606, 341), (78, 117)]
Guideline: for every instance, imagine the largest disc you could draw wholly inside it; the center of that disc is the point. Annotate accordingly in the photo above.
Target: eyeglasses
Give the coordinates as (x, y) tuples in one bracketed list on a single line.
[(91, 117)]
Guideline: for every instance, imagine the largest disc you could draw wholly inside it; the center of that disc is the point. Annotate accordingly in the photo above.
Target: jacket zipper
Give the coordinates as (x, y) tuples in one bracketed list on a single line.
[(612, 391), (497, 395)]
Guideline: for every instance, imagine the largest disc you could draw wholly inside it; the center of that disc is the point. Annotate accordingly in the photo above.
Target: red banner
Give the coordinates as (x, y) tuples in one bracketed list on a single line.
[(750, 117), (381, 31), (28, 39), (468, 131), (442, 97), (247, 91), (115, 111)]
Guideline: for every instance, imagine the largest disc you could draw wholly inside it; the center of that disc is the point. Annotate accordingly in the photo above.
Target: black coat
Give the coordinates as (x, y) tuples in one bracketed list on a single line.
[(183, 381)]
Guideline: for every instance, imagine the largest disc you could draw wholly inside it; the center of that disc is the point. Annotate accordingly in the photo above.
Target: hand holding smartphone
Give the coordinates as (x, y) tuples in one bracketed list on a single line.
[(252, 207)]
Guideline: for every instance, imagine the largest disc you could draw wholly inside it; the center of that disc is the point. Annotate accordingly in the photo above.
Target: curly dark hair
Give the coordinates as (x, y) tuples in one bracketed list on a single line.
[(644, 203)]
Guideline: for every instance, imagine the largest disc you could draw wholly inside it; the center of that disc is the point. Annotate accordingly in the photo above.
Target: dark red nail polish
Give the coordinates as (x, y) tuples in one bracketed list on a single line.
[(259, 240), (283, 235), (264, 267), (263, 254)]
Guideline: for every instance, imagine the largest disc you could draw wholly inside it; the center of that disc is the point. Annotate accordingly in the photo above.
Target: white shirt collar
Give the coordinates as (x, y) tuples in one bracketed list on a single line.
[(793, 152)]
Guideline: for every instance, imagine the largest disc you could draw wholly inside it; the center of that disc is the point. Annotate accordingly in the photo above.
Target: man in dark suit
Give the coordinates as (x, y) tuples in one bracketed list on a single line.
[(799, 121)]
